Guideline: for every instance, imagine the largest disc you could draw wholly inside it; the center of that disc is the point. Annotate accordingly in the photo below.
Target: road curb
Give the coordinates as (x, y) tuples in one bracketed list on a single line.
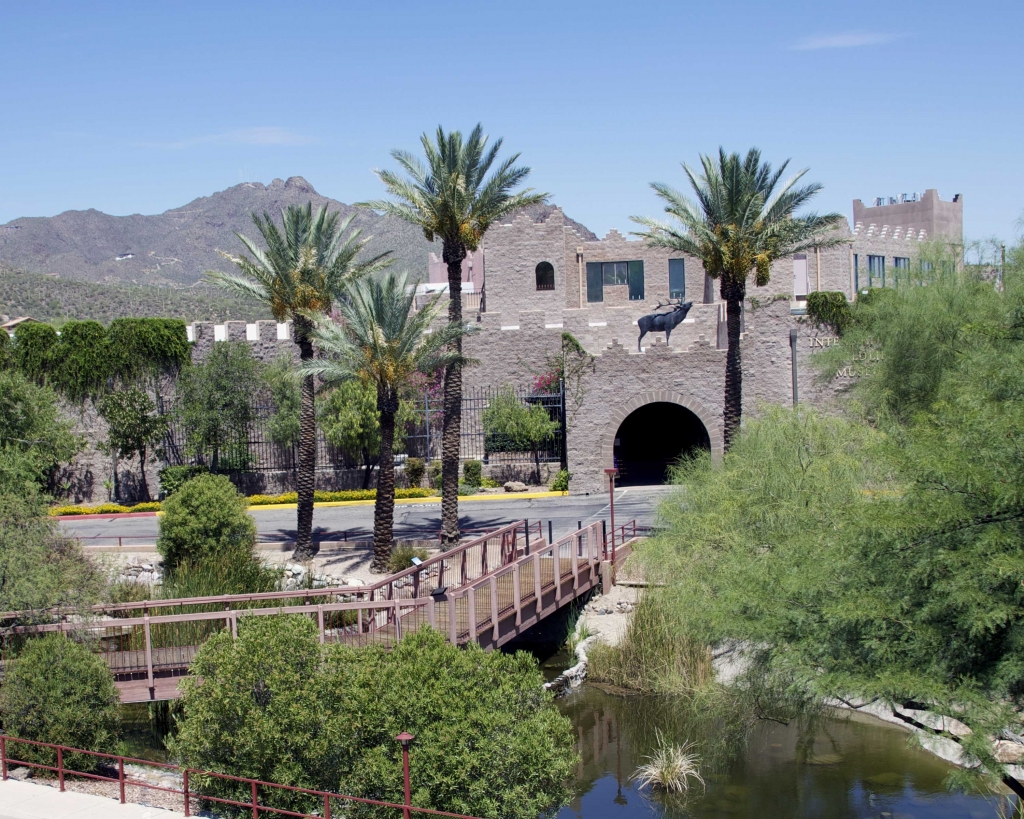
[(325, 504)]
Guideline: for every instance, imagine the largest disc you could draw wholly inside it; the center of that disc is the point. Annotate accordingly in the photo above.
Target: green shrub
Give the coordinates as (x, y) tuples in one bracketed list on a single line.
[(435, 474), (414, 469), (81, 361), (147, 346), (5, 351), (276, 705), (33, 349), (829, 309), (172, 478), (401, 557), (561, 481), (205, 518), (473, 473), (59, 691), (221, 574), (466, 489)]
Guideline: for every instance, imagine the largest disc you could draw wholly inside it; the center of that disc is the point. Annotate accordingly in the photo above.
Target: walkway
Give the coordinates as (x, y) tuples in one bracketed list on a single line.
[(488, 590), (23, 800)]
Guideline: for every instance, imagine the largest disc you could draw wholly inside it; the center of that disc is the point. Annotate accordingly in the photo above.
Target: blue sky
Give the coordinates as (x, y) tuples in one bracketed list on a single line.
[(140, 107)]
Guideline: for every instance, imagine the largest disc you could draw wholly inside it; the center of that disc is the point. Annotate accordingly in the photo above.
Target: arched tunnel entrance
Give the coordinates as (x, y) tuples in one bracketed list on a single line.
[(652, 438)]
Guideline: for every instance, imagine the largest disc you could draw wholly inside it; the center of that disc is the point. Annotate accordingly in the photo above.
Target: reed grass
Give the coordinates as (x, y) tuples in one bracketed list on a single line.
[(654, 656)]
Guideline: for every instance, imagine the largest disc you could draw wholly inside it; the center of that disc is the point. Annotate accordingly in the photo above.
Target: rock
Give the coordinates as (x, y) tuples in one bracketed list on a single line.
[(1008, 752), (354, 581), (515, 486)]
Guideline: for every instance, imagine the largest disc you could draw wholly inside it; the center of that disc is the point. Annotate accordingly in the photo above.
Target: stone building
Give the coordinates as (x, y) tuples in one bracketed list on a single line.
[(542, 275)]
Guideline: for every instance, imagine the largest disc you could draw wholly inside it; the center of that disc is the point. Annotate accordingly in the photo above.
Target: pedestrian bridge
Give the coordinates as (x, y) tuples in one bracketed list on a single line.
[(487, 590)]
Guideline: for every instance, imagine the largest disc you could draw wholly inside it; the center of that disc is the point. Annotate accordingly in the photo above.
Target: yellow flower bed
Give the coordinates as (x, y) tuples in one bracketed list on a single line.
[(253, 500)]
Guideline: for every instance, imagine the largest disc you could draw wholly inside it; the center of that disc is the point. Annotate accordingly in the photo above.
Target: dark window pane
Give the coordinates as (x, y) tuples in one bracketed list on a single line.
[(595, 282), (676, 278), (621, 273), (608, 272), (636, 280), (545, 276)]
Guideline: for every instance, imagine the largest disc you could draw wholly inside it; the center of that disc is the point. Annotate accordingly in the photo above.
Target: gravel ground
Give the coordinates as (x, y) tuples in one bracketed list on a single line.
[(132, 793)]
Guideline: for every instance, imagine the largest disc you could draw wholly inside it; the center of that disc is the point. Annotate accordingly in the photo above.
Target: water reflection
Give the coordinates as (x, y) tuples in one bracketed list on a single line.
[(836, 769)]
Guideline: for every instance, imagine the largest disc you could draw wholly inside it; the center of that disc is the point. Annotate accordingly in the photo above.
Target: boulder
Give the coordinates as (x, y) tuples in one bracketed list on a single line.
[(515, 486)]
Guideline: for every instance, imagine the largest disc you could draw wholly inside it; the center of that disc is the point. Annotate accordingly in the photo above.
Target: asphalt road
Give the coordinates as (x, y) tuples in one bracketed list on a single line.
[(412, 521)]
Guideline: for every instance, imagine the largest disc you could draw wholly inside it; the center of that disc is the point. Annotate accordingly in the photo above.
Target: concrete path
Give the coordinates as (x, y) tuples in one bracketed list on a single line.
[(23, 800)]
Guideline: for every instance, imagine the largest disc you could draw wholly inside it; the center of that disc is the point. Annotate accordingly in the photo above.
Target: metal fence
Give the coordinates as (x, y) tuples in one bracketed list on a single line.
[(252, 449)]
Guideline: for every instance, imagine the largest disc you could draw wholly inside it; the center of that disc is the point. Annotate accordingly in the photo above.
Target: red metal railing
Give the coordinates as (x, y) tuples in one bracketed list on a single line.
[(190, 794)]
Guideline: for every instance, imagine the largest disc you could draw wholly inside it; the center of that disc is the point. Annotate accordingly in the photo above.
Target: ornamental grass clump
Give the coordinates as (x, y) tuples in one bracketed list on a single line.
[(671, 768)]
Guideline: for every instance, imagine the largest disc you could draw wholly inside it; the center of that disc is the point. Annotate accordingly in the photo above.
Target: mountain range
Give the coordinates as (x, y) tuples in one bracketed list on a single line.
[(48, 265)]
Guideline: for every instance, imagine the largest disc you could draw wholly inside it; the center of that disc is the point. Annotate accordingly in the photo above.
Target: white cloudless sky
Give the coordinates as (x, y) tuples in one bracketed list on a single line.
[(140, 107)]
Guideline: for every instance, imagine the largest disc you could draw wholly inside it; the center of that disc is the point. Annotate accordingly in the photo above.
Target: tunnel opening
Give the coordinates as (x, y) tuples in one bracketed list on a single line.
[(653, 438)]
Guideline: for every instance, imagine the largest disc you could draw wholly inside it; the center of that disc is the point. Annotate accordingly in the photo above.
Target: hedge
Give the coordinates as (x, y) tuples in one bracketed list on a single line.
[(829, 309), (253, 500)]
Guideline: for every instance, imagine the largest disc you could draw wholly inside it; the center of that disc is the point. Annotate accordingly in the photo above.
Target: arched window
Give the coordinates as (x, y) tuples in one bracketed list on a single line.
[(545, 276)]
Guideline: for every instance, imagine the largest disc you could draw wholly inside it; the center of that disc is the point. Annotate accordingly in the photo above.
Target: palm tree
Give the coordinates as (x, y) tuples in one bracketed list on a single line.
[(453, 199), (306, 262), (382, 342), (742, 221)]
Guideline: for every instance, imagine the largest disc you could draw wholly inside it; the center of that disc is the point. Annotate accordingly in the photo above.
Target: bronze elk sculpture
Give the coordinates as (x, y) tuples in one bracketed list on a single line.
[(662, 322)]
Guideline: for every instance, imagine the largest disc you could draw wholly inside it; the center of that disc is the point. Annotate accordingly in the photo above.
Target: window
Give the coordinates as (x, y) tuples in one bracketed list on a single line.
[(901, 263), (856, 272), (611, 274), (801, 284), (876, 270), (677, 278), (595, 282), (545, 276), (615, 272), (636, 281)]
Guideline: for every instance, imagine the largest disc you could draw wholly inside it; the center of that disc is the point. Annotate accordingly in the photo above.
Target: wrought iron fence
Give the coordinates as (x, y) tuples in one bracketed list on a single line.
[(251, 449)]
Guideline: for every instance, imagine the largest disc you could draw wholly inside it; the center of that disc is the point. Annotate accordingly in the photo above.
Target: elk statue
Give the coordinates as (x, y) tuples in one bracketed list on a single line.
[(662, 322)]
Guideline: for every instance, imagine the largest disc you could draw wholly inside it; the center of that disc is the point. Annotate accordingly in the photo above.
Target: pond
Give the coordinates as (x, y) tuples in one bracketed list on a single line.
[(845, 768)]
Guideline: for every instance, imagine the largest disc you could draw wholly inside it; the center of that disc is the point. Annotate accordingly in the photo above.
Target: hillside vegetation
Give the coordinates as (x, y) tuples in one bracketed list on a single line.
[(56, 300)]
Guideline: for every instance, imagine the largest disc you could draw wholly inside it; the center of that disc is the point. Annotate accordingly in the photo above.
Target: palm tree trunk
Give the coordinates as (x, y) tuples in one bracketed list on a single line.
[(451, 431), (143, 488), (384, 506), (733, 294), (305, 476)]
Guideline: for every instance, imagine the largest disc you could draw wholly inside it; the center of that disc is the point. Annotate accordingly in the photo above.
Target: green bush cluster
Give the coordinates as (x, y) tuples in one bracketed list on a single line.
[(86, 359), (172, 478), (414, 470), (275, 705), (473, 473), (435, 475), (59, 691), (205, 519), (829, 309), (561, 481)]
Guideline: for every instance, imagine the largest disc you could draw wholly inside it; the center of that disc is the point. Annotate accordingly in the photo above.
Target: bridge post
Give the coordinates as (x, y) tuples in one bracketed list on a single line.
[(538, 585), (517, 594), (120, 780), (494, 609), (471, 602)]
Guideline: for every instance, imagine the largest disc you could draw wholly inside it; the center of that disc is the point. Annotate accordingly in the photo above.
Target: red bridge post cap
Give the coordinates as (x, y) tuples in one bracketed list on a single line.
[(405, 738), (612, 471)]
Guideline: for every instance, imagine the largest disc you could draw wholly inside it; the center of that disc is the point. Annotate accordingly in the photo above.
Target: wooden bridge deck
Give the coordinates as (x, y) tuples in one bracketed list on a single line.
[(150, 654)]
